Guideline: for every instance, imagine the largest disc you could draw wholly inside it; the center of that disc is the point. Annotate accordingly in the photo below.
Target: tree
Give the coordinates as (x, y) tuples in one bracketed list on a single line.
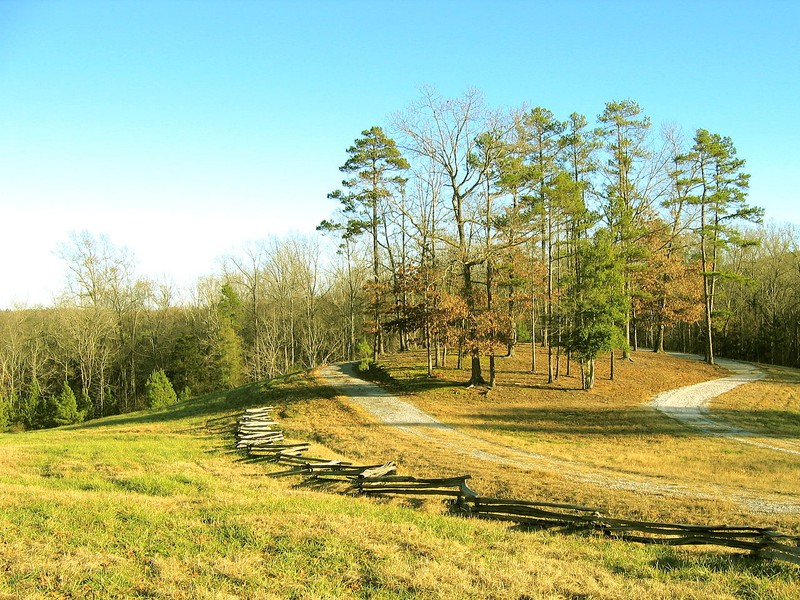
[(374, 161), (29, 411), (452, 135), (249, 272), (102, 306), (65, 409), (158, 390), (596, 304), (542, 143), (715, 175), (626, 206), (5, 415)]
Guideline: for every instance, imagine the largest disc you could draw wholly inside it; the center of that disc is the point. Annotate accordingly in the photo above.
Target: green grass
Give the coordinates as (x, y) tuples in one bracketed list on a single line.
[(155, 505)]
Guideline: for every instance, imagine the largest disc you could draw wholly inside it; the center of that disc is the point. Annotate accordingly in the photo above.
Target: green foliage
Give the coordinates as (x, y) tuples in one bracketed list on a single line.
[(65, 407), (364, 354), (363, 349), (227, 360), (85, 406), (5, 415), (185, 394), (187, 363), (595, 303), (372, 158), (524, 333), (29, 406), (229, 306), (158, 390)]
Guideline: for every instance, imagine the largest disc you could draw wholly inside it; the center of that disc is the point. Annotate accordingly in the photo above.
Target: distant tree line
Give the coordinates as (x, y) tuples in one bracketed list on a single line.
[(465, 232), (120, 343)]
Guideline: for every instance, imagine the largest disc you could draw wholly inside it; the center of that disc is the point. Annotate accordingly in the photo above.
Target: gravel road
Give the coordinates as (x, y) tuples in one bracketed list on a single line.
[(690, 405), (406, 417)]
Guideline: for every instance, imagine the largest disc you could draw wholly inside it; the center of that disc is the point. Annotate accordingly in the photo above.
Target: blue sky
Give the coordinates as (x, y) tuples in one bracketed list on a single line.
[(183, 129)]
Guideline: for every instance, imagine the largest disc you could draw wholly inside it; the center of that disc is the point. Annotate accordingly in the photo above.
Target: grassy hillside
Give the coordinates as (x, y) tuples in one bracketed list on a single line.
[(155, 505)]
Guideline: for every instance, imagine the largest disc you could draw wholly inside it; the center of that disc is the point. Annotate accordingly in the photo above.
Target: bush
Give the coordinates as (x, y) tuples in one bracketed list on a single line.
[(158, 390), (5, 415), (66, 407)]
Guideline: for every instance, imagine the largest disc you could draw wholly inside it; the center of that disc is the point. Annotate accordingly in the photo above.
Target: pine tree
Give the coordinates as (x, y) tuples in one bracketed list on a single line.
[(719, 186), (228, 361), (29, 407), (595, 304), (625, 128), (158, 390), (373, 159), (65, 407), (5, 416)]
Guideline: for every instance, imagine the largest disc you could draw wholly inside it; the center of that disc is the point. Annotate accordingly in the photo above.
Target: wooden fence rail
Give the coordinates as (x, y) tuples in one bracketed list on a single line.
[(454, 487), (257, 435)]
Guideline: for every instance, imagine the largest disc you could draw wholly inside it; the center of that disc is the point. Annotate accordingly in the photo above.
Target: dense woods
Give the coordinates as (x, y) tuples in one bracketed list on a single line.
[(461, 230)]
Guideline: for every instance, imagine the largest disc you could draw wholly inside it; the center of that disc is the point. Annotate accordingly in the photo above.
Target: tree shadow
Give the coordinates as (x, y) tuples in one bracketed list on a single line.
[(218, 410), (636, 421), (780, 424)]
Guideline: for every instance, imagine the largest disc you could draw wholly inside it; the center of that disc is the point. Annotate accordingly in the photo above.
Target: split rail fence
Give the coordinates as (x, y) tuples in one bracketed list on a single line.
[(257, 434)]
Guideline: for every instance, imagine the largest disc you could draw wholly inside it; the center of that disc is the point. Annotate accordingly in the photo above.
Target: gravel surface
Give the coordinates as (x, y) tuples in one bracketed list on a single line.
[(403, 415), (690, 405)]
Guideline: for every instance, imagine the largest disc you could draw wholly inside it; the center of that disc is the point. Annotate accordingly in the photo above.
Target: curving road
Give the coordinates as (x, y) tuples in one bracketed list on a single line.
[(403, 415), (690, 405)]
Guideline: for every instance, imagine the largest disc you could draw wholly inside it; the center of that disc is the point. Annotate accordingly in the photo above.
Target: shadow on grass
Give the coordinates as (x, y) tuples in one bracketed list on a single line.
[(413, 379), (775, 423), (214, 409), (394, 381), (673, 561), (635, 421)]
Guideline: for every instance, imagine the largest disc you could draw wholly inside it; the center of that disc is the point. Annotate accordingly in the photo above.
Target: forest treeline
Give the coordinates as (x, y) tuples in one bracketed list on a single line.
[(459, 229)]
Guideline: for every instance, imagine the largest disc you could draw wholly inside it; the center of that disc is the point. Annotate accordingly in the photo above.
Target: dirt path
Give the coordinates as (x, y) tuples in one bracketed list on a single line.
[(690, 405), (406, 417)]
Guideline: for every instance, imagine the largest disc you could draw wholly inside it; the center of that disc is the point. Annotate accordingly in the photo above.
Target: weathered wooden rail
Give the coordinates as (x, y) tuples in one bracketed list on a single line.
[(540, 514), (257, 435), (453, 487)]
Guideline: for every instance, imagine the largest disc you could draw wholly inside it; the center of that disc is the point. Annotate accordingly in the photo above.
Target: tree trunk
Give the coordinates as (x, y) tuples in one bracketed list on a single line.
[(533, 335), (428, 350), (659, 345), (476, 377)]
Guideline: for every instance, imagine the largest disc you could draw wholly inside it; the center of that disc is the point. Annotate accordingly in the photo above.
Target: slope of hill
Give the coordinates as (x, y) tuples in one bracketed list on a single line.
[(156, 505)]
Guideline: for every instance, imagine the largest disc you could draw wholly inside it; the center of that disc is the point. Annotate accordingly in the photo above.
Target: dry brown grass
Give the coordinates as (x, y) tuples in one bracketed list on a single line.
[(607, 430), (154, 505), (770, 406)]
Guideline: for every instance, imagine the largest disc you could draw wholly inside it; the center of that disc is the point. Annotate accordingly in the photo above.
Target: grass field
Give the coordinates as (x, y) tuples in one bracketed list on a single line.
[(607, 429), (155, 505), (770, 406)]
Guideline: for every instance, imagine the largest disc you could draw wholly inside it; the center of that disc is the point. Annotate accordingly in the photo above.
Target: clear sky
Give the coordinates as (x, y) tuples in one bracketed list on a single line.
[(182, 129)]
